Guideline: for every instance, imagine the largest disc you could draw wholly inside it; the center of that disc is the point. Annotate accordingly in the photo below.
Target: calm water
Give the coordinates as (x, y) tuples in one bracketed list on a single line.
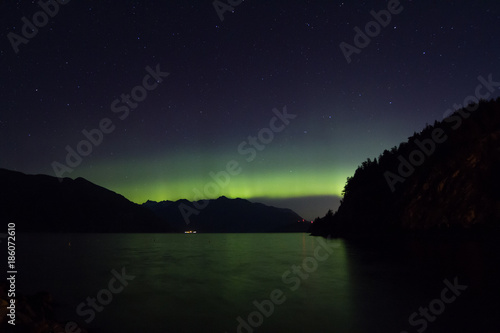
[(204, 282)]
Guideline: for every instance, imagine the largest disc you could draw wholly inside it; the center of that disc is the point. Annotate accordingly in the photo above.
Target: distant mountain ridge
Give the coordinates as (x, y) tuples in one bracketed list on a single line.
[(227, 215), (42, 203)]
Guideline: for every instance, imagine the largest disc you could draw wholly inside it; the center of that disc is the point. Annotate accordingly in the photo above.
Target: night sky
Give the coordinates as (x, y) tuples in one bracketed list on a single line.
[(227, 81)]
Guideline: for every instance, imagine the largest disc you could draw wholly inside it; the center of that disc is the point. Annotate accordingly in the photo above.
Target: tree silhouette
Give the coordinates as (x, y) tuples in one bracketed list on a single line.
[(368, 204)]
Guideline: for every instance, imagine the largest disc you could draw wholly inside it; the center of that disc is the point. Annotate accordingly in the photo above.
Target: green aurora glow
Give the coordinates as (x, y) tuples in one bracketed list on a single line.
[(140, 182), (314, 167)]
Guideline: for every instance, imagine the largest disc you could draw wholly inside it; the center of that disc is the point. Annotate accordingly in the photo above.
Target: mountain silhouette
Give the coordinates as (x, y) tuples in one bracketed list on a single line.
[(41, 203), (227, 215)]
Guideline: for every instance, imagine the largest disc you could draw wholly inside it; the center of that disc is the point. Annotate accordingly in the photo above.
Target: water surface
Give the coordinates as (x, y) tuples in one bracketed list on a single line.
[(204, 282)]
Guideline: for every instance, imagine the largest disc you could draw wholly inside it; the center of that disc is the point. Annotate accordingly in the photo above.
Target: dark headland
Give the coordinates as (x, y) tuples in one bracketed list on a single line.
[(443, 180)]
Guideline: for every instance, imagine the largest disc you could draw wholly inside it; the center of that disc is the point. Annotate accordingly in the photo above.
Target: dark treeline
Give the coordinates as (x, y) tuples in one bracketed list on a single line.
[(444, 177)]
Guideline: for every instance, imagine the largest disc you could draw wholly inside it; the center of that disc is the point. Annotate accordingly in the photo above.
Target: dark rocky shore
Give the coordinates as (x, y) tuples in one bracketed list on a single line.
[(33, 314)]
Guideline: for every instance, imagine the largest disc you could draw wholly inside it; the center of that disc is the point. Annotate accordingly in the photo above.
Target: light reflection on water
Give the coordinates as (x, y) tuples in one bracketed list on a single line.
[(203, 282)]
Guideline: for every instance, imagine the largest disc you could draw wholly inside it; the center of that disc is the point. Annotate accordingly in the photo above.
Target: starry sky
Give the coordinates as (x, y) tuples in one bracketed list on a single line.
[(262, 105)]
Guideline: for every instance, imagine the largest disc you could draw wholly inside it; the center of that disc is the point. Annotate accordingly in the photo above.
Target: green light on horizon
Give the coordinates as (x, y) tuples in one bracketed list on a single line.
[(270, 185), (188, 177)]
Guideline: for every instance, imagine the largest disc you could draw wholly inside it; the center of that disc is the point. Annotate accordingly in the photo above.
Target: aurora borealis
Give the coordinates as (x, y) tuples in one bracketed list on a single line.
[(225, 79)]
